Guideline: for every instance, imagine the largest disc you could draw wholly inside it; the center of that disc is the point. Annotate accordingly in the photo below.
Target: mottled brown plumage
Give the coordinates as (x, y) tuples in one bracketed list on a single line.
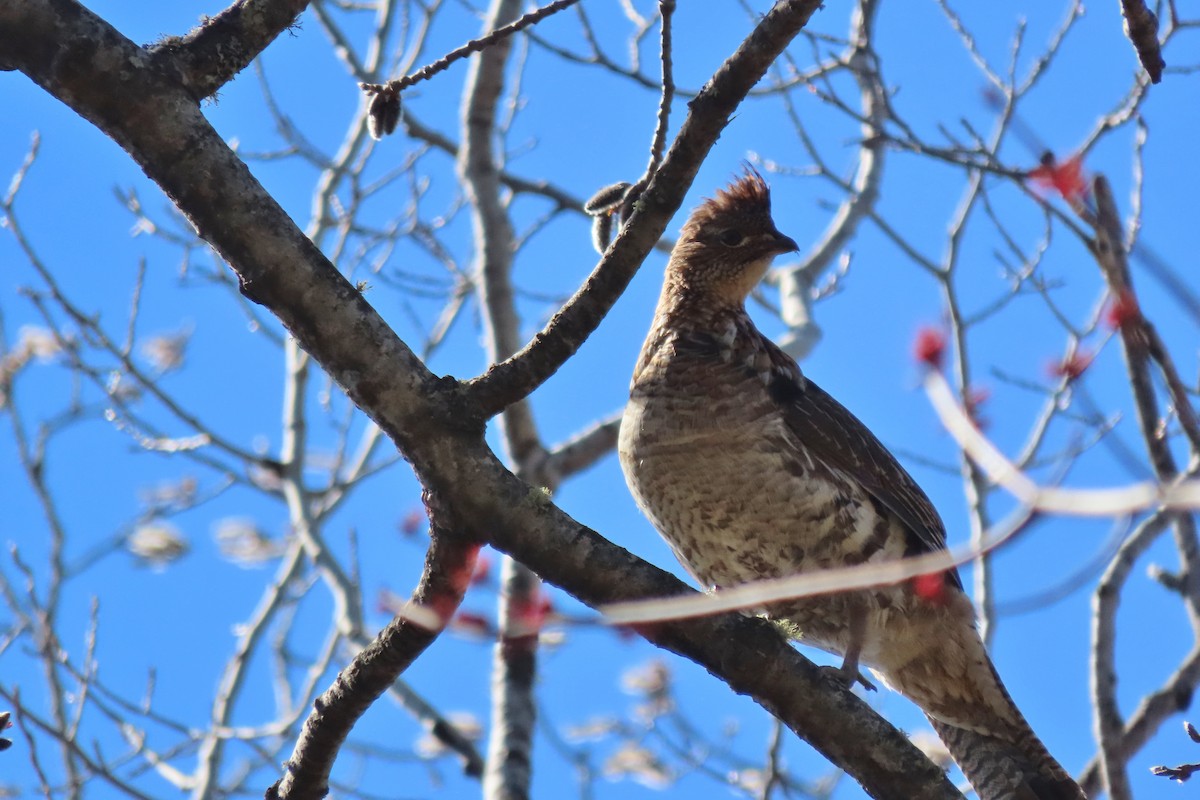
[(751, 471)]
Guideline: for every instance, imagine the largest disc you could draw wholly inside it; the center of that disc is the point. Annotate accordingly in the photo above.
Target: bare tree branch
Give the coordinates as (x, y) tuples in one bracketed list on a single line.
[(1141, 26), (499, 35), (448, 566), (215, 51)]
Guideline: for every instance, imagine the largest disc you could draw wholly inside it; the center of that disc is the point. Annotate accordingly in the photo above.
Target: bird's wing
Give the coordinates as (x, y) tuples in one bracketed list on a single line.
[(832, 434)]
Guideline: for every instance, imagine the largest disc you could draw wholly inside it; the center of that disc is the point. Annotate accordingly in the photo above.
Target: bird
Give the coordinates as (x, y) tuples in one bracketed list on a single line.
[(751, 471)]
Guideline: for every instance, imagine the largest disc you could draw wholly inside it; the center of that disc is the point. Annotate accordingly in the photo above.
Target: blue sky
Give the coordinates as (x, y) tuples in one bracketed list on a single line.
[(583, 131)]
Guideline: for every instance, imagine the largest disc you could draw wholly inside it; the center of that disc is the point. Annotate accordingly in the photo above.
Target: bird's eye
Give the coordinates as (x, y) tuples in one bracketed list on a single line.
[(731, 238)]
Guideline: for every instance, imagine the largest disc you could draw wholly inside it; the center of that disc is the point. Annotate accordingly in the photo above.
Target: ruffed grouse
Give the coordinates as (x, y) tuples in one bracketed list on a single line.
[(751, 471)]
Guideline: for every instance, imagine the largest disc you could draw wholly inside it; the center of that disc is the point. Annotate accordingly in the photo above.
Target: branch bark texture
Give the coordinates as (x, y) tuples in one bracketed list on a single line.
[(222, 46)]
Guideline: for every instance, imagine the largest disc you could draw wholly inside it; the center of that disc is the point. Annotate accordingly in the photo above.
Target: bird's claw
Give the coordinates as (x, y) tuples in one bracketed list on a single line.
[(847, 675)]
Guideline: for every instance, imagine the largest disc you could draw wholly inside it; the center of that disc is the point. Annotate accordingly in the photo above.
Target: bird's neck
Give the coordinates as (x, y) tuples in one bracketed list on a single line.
[(698, 308), (719, 285), (699, 301)]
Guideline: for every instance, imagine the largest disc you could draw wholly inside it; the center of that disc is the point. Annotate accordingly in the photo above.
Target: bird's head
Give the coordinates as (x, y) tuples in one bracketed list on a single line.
[(728, 243)]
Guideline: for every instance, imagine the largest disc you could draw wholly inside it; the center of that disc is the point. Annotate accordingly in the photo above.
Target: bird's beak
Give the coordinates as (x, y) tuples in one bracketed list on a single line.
[(784, 244)]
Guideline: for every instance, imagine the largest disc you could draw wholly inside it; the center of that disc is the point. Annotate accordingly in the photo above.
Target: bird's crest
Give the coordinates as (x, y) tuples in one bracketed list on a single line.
[(748, 195)]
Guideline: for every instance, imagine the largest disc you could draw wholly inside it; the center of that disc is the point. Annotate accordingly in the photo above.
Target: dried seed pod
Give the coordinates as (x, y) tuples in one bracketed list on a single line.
[(607, 199), (603, 206), (384, 113), (602, 227)]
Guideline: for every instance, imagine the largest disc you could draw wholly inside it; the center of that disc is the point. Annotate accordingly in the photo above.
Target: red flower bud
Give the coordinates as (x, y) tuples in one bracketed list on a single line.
[(930, 347)]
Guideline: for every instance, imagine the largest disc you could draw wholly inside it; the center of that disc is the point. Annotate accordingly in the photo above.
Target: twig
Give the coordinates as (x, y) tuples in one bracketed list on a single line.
[(1184, 771), (666, 8), (474, 46), (773, 766), (97, 769), (208, 759), (1106, 714)]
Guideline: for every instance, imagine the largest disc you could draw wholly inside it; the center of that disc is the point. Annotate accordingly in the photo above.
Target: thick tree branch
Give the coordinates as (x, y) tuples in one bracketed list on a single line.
[(1141, 26), (222, 46), (749, 655)]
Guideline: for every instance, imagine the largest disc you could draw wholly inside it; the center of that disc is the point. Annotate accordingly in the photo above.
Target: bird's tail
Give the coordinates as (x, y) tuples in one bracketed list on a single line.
[(957, 687), (1000, 769)]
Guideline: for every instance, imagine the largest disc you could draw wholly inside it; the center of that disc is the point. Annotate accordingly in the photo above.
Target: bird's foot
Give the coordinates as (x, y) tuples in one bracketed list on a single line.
[(847, 675)]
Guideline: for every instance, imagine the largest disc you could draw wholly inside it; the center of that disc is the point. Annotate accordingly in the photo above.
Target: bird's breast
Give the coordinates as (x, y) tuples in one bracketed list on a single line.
[(736, 497)]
